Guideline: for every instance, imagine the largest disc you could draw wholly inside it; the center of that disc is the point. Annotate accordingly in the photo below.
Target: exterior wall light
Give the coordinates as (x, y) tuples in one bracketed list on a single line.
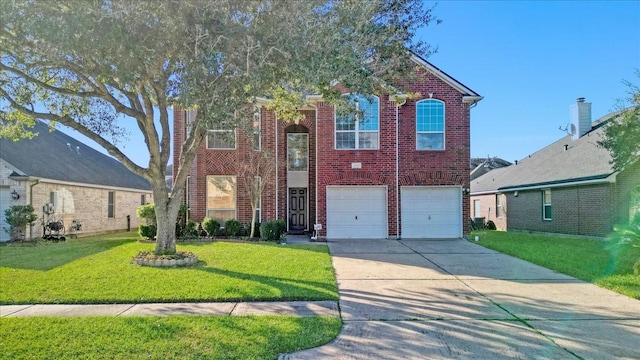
[(15, 195)]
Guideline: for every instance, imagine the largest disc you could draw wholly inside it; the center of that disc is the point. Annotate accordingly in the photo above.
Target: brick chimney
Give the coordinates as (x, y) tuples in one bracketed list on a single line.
[(580, 114)]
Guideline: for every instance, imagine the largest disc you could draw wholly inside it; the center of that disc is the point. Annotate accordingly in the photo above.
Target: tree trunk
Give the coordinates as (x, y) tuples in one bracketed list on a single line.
[(167, 209), (253, 219)]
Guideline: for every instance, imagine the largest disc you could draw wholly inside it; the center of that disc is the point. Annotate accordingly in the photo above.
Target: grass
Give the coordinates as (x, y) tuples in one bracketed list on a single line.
[(174, 337), (589, 260), (99, 270)]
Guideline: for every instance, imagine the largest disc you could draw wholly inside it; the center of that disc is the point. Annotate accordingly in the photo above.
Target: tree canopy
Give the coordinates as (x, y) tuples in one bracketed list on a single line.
[(622, 134), (99, 66)]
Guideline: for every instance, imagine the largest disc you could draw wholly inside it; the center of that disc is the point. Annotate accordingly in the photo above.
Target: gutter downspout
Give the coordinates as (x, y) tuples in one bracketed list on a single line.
[(398, 104), (398, 233), (315, 232)]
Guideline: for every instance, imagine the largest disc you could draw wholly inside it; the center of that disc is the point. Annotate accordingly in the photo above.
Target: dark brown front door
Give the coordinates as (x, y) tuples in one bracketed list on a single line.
[(297, 210)]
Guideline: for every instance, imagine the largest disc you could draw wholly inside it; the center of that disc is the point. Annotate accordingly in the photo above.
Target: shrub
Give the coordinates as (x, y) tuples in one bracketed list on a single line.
[(281, 226), (147, 212), (256, 233), (190, 230), (627, 235), (269, 231), (232, 227), (211, 226), (490, 225), (147, 231), (18, 217)]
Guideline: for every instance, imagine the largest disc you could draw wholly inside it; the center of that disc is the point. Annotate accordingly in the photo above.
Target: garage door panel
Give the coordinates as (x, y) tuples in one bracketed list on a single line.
[(356, 212), (431, 212)]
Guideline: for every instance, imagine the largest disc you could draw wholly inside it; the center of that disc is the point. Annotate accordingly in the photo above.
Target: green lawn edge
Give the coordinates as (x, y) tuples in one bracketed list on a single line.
[(591, 260), (172, 337), (99, 269)]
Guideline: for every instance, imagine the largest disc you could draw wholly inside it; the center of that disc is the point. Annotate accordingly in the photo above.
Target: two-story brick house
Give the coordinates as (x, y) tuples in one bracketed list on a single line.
[(399, 168)]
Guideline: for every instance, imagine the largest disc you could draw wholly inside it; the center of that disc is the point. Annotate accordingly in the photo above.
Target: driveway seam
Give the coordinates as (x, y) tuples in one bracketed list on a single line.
[(515, 317)]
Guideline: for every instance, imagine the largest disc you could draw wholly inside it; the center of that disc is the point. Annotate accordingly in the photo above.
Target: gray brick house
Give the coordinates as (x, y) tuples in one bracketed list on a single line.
[(566, 187), (76, 184)]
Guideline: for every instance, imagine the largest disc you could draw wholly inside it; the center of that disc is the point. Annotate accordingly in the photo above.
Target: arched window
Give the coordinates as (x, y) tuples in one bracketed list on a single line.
[(430, 125), (359, 130)]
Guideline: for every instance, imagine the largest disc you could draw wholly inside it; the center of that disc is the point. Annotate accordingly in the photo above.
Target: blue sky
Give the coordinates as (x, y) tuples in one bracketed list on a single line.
[(530, 60)]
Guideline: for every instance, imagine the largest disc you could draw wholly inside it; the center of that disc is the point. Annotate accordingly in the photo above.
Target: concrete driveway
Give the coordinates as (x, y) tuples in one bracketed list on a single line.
[(453, 299)]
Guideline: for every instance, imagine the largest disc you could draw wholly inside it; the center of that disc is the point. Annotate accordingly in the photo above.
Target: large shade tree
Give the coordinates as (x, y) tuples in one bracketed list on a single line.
[(622, 134), (102, 67)]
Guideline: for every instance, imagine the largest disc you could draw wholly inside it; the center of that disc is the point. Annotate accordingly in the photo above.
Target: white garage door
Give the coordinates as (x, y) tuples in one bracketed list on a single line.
[(5, 197), (356, 212), (431, 212)]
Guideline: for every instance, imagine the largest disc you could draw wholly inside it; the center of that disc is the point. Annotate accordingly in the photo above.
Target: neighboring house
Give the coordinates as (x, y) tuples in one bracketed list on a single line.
[(63, 179), (400, 169), (481, 166), (567, 187)]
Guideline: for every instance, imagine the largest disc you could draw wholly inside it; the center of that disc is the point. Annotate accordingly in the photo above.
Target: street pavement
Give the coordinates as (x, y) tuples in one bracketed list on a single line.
[(453, 299)]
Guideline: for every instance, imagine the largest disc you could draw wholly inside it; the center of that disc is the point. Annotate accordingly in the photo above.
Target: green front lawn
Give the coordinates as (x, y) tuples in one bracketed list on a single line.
[(174, 337), (99, 270), (585, 259)]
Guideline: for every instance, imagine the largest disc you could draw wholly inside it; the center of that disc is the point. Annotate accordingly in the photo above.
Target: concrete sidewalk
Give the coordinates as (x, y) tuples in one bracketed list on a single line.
[(292, 308), (453, 299)]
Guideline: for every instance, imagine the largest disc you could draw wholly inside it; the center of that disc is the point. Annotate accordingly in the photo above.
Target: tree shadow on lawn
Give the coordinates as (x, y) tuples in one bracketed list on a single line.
[(289, 289), (51, 255)]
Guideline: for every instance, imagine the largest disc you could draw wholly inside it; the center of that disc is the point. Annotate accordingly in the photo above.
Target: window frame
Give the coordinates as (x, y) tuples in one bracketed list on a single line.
[(213, 131), (477, 208), (306, 158), (499, 206), (547, 215), (235, 199), (357, 131), (257, 129), (444, 124), (111, 204)]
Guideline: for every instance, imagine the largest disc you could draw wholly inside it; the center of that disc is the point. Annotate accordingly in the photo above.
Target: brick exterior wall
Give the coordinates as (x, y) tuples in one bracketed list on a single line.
[(87, 205), (579, 210), (488, 208), (447, 167)]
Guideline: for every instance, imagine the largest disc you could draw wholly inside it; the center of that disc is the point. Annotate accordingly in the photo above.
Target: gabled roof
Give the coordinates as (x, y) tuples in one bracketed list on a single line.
[(565, 161), (57, 156), (469, 95), (481, 166)]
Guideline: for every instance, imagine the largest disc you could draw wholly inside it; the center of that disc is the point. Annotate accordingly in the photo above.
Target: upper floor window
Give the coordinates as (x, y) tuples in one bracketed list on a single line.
[(257, 117), (430, 125), (221, 138), (546, 204), (359, 130)]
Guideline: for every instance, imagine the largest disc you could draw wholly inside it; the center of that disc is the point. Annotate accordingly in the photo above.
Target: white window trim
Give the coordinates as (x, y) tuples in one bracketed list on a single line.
[(545, 204), (356, 130), (444, 125), (307, 142), (235, 209), (257, 118), (499, 206), (235, 140)]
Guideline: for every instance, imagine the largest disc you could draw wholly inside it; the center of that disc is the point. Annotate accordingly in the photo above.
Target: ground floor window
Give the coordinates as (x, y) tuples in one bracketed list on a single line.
[(476, 209), (111, 204), (546, 204), (221, 197), (499, 209)]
